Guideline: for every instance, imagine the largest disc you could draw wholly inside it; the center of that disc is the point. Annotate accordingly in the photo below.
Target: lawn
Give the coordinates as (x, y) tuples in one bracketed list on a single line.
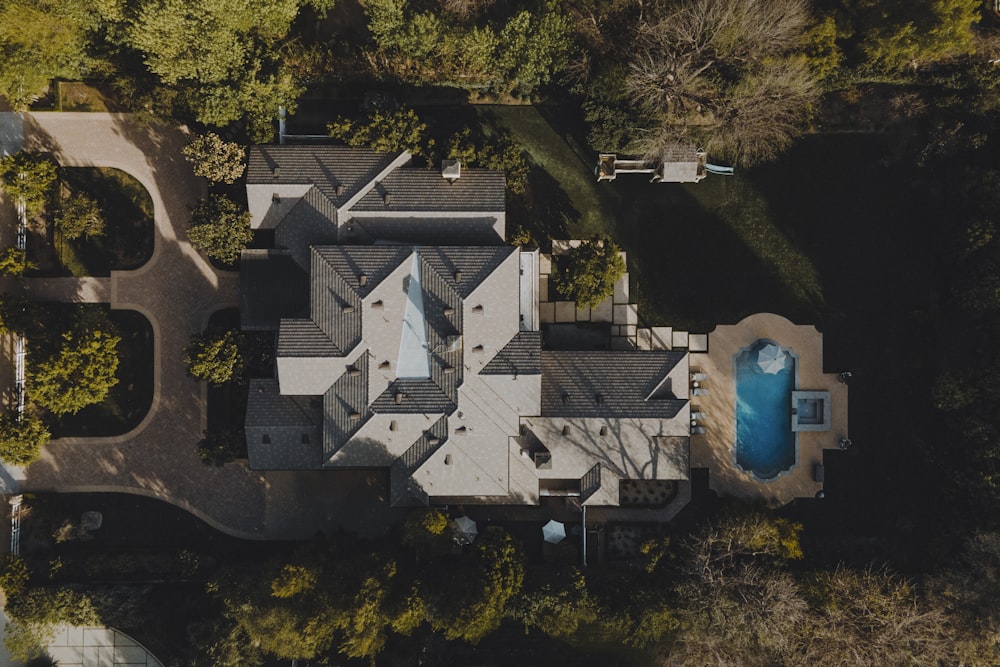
[(128, 213)]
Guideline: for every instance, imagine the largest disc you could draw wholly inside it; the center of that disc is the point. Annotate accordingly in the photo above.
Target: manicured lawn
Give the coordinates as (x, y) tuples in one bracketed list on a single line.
[(128, 401), (128, 212)]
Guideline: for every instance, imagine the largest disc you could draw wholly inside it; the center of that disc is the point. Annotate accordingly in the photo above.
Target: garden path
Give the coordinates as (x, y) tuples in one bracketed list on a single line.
[(177, 290)]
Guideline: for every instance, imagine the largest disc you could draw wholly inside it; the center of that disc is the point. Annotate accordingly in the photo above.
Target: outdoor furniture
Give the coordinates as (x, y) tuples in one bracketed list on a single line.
[(699, 430), (699, 377), (700, 392), (554, 532), (465, 530), (819, 472), (697, 416)]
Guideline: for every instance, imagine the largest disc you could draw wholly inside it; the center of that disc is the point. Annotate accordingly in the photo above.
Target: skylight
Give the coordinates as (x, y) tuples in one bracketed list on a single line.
[(414, 357)]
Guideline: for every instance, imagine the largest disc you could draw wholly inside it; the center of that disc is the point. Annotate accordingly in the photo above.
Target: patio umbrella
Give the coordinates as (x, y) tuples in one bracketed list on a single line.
[(554, 532), (771, 359), (465, 530)]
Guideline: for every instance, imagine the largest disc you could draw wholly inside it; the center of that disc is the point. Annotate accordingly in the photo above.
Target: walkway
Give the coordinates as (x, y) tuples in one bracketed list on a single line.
[(177, 290), (97, 647)]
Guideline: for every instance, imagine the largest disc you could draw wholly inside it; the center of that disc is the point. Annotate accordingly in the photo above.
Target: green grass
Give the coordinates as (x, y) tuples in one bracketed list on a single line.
[(128, 212)]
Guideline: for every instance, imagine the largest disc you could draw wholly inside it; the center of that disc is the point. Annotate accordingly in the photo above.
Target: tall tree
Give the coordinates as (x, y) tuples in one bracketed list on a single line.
[(220, 228), (79, 215), (215, 357), (80, 374), (587, 273), (21, 441), (214, 159), (29, 176)]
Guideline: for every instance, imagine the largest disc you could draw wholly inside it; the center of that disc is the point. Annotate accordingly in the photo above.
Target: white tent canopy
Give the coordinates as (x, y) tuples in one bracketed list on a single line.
[(554, 532)]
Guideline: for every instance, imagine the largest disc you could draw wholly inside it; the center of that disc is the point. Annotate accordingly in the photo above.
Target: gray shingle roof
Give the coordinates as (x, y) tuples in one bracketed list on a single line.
[(419, 397), (403, 492), (309, 223), (608, 383), (521, 356), (272, 287), (466, 230), (303, 338), (283, 432), (345, 408), (327, 167), (425, 190)]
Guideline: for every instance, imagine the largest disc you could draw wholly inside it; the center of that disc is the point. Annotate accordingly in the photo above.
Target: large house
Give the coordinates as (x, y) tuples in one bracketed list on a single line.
[(408, 338)]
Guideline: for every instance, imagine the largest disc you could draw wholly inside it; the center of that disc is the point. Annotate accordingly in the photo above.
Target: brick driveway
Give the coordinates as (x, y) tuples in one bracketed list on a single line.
[(176, 290)]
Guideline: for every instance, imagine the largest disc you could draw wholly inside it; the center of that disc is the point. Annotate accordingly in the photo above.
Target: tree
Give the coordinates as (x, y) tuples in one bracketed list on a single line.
[(80, 374), (400, 130), (41, 41), (533, 47), (900, 34), (220, 228), (14, 262), (469, 598), (221, 446), (587, 273), (21, 441), (28, 176), (79, 216), (725, 74), (558, 607), (214, 159), (215, 357)]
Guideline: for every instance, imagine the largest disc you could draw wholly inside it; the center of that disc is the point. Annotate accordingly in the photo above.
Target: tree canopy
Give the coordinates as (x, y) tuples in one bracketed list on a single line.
[(215, 357), (21, 441), (30, 176), (80, 216), (588, 272), (220, 228), (81, 373), (214, 159)]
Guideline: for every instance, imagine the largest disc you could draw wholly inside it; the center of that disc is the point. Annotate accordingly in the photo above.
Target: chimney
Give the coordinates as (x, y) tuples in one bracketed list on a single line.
[(451, 170)]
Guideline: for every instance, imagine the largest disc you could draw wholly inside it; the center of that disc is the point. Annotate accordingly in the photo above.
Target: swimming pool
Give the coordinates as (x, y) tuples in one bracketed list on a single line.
[(765, 443)]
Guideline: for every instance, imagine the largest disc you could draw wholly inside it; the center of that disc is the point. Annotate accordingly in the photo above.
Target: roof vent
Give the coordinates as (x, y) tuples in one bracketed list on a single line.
[(478, 349), (433, 441), (478, 310), (276, 171), (447, 459), (384, 366), (393, 425), (604, 430), (387, 199), (461, 430), (565, 398), (362, 279), (565, 430), (305, 438), (341, 189), (355, 416), (347, 308), (449, 311), (399, 397), (275, 198), (458, 276), (377, 304), (599, 398), (448, 370), (451, 170), (266, 439), (353, 371)]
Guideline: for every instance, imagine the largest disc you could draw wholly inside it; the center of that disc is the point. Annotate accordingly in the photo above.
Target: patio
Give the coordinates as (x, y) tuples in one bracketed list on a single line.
[(714, 449)]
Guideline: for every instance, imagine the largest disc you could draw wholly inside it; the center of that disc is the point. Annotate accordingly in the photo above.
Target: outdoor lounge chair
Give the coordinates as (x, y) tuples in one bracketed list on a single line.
[(699, 377), (700, 391), (699, 430), (697, 416)]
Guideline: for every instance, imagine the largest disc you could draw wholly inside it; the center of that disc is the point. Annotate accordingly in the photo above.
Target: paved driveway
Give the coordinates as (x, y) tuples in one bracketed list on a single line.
[(177, 290)]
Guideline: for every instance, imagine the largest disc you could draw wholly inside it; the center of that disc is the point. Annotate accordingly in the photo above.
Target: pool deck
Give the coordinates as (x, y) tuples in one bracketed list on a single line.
[(715, 449)]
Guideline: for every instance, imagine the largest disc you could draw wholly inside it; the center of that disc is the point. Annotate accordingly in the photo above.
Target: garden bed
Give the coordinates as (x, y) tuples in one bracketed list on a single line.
[(129, 229)]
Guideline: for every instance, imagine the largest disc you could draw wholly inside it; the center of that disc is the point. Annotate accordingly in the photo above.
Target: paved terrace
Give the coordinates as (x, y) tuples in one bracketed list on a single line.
[(176, 290), (715, 449)]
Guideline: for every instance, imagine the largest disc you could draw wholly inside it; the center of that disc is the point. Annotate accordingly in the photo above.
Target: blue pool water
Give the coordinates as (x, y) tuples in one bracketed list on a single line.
[(765, 444)]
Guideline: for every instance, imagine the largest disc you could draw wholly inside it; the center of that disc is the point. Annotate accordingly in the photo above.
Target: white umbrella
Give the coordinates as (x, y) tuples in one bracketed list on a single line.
[(465, 530), (771, 359), (554, 532)]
